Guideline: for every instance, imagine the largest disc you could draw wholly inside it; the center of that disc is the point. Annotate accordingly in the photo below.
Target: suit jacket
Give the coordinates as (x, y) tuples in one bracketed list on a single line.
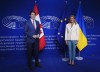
[(72, 33), (30, 31)]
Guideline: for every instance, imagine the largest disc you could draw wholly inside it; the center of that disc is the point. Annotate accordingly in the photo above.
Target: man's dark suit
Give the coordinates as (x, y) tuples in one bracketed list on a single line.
[(32, 43)]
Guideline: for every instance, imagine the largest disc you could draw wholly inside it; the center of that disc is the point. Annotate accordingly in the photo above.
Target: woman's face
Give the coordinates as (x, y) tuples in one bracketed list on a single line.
[(72, 19)]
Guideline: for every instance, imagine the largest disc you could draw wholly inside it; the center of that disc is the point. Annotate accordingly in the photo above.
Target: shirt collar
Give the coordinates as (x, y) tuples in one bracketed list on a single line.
[(32, 20)]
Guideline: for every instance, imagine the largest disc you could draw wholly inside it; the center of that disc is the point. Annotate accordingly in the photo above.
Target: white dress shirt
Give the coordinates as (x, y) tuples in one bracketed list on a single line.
[(72, 32), (33, 22)]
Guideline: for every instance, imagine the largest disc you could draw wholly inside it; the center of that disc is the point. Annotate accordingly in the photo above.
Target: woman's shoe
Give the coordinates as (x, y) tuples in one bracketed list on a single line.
[(70, 62), (73, 63)]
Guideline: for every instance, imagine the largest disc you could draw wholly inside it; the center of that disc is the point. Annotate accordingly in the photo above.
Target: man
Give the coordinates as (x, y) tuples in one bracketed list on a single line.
[(32, 31)]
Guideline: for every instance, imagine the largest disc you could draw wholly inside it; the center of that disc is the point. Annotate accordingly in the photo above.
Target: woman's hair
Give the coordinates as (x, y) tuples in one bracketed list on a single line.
[(74, 19)]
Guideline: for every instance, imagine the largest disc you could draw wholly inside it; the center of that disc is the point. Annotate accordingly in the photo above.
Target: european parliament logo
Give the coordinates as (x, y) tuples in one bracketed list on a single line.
[(89, 21), (50, 22), (13, 22)]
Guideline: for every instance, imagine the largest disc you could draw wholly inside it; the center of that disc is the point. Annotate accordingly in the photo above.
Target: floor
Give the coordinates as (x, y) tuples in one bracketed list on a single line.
[(51, 61)]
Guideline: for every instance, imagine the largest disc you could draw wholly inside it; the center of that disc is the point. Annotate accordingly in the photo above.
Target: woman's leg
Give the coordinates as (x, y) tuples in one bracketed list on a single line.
[(70, 51), (73, 50)]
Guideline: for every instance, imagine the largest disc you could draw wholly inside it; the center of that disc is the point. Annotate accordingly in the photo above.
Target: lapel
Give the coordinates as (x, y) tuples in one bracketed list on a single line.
[(36, 23), (32, 24), (71, 27)]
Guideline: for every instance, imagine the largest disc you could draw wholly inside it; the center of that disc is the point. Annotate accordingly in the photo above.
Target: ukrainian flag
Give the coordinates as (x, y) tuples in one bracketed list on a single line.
[(82, 43)]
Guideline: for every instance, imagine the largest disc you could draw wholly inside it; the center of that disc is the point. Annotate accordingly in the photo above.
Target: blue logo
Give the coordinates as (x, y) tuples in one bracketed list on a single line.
[(50, 22), (13, 22)]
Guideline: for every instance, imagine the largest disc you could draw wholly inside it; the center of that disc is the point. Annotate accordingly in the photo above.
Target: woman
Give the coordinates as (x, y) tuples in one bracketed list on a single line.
[(71, 37)]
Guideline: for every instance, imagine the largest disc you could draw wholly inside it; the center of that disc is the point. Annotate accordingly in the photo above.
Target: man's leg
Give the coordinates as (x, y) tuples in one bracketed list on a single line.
[(29, 54), (35, 50)]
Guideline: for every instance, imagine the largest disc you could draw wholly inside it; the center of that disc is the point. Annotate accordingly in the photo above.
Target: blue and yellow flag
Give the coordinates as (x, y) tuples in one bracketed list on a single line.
[(82, 43)]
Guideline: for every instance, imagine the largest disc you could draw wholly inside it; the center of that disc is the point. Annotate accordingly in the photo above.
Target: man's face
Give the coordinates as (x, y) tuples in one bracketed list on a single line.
[(32, 16)]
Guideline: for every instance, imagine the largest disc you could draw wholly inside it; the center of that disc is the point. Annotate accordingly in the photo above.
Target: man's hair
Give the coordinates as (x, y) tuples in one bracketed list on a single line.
[(32, 12)]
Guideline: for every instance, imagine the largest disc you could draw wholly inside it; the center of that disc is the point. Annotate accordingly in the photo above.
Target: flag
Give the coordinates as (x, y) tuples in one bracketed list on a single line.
[(42, 41), (82, 43), (61, 31)]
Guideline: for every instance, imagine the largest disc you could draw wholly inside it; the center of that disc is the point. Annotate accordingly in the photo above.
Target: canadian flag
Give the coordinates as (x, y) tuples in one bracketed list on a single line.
[(42, 42)]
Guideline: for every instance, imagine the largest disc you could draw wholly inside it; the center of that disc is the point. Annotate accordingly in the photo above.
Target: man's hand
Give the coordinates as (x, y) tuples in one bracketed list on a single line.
[(38, 36), (35, 36)]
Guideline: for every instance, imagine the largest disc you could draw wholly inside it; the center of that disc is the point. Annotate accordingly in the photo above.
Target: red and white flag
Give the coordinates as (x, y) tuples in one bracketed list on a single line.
[(42, 42)]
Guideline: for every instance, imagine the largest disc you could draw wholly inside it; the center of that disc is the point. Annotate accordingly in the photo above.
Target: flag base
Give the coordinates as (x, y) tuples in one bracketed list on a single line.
[(65, 59), (79, 58), (34, 60)]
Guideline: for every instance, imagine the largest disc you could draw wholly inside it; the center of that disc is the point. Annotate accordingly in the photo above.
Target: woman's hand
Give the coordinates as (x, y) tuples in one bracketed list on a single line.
[(76, 42), (66, 42)]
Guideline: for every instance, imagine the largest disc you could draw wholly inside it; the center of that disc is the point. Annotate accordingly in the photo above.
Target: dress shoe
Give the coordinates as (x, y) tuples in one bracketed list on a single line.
[(38, 65)]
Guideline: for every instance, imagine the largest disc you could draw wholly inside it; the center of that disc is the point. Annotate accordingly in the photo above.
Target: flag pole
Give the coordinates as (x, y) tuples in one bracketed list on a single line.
[(65, 58), (35, 1), (79, 52), (79, 56), (34, 59)]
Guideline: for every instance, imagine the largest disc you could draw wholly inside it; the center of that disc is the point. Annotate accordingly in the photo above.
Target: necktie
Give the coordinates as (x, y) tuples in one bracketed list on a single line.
[(34, 25)]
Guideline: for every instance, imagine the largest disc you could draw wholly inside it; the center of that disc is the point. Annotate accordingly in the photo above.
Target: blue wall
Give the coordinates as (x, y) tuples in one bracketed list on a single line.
[(53, 9)]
